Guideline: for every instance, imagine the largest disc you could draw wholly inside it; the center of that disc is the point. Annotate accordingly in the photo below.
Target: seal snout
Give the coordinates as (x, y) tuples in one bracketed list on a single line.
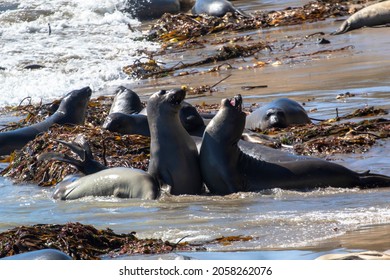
[(176, 96)]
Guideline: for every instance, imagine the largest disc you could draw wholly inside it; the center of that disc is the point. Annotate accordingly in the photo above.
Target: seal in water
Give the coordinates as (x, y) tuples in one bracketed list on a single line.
[(126, 101), (44, 254), (280, 113), (151, 9), (72, 110), (372, 15), (120, 182), (217, 8), (174, 158), (227, 169)]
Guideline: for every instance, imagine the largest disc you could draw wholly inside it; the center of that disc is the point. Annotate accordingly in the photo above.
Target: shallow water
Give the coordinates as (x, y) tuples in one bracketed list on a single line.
[(277, 220)]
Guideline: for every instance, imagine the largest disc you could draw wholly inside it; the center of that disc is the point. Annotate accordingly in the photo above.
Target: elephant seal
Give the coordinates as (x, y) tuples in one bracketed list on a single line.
[(150, 9), (280, 113), (119, 182), (72, 110), (44, 254), (372, 15), (227, 169), (216, 8), (174, 158), (138, 123), (127, 124), (126, 101)]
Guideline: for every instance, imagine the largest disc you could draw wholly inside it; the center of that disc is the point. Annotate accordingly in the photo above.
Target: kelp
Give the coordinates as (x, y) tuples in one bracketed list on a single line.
[(82, 242), (151, 68), (336, 135), (174, 28)]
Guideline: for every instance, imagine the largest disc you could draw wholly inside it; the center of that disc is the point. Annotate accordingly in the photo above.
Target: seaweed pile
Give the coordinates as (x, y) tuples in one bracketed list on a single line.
[(82, 242), (186, 32)]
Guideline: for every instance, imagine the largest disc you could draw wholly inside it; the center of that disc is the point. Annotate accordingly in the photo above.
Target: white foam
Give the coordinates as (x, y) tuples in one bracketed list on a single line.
[(89, 44)]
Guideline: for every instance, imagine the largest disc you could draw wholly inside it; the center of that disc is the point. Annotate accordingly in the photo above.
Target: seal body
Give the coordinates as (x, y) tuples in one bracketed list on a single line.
[(138, 123), (126, 101), (280, 113), (44, 254), (72, 110), (227, 169), (174, 158), (119, 182), (127, 124), (151, 9), (372, 15), (217, 8)]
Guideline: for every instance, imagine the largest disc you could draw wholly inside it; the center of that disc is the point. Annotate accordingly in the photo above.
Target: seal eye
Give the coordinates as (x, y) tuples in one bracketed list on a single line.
[(162, 92)]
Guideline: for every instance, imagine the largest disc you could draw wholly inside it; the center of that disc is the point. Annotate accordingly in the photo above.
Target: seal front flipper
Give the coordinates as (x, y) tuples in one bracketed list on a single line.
[(80, 146)]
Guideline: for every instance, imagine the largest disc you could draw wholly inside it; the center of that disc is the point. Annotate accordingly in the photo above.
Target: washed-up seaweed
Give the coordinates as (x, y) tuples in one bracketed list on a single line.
[(332, 136), (174, 28), (82, 242), (150, 67)]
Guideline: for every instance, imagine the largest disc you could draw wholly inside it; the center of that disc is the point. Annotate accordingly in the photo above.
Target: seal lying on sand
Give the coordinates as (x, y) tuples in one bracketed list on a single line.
[(126, 101), (151, 9), (372, 15), (44, 254), (174, 159), (281, 113), (216, 8), (226, 169), (71, 111)]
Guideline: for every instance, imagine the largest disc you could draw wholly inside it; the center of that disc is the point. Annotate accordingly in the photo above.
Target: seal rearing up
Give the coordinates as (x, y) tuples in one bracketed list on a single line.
[(174, 158), (226, 169), (72, 110)]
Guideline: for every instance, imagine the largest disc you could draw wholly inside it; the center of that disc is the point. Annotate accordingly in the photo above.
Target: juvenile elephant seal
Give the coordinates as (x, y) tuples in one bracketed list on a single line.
[(227, 169), (151, 9), (127, 124), (119, 182), (174, 159), (217, 8), (138, 123), (279, 113), (372, 15), (44, 254), (72, 110), (126, 101)]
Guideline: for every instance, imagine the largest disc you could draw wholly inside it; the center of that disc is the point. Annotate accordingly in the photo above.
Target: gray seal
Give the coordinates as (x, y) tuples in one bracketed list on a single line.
[(217, 8), (280, 113), (119, 182), (151, 9), (372, 15), (174, 158), (227, 169), (72, 110), (126, 101), (44, 254)]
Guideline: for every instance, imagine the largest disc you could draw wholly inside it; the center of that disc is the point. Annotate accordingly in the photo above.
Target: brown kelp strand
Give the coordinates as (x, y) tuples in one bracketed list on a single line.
[(81, 242), (151, 68)]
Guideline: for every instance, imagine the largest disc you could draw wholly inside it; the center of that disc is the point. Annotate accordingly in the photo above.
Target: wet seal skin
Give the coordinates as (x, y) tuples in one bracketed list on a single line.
[(72, 110), (227, 169)]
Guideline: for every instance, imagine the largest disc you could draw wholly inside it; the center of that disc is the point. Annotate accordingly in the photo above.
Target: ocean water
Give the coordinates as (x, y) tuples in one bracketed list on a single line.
[(90, 43)]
